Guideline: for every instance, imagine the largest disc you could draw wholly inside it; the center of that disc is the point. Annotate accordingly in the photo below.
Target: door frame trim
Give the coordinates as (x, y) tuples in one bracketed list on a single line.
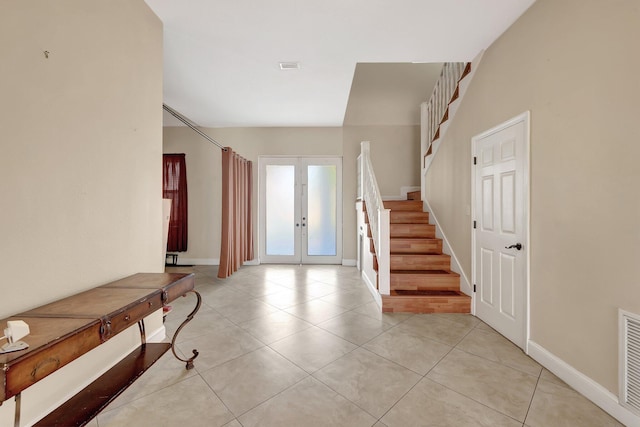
[(526, 119)]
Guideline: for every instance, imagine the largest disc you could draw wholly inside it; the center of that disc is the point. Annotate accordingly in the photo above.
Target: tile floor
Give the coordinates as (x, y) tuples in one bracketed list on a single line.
[(307, 346)]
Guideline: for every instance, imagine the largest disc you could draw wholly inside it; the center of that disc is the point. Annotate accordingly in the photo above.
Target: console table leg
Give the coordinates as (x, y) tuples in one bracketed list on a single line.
[(143, 334), (189, 361), (16, 420)]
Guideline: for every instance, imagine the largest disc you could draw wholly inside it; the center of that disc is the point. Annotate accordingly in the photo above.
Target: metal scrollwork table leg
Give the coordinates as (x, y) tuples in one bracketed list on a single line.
[(189, 361)]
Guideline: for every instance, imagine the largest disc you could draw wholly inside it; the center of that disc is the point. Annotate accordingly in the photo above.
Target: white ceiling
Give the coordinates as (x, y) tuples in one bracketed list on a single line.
[(221, 57)]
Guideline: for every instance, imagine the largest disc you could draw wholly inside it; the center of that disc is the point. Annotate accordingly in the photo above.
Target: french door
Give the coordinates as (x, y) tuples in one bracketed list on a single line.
[(300, 210)]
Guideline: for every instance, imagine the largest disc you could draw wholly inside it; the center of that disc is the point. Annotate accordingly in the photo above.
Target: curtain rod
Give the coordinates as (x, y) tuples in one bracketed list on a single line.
[(187, 122)]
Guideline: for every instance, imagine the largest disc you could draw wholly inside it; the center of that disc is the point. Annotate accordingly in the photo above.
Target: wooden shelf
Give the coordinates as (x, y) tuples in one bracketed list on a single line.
[(87, 403)]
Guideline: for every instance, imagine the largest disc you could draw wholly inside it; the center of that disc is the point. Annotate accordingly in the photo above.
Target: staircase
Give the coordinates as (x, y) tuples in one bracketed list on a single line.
[(420, 277)]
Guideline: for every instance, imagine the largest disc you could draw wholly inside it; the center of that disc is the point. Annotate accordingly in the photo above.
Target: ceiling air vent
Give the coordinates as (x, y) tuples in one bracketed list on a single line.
[(289, 65), (629, 329)]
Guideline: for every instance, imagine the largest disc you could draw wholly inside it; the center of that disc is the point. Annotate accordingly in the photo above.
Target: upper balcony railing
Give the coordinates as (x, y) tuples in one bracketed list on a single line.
[(441, 97)]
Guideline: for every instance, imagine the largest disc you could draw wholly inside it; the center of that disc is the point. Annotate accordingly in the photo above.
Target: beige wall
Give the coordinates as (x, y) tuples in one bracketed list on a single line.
[(81, 142), (393, 154), (573, 64), (204, 178), (81, 136), (393, 151)]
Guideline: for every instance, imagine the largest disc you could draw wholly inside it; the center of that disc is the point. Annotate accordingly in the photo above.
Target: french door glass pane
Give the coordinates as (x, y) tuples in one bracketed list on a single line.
[(321, 210), (280, 209)]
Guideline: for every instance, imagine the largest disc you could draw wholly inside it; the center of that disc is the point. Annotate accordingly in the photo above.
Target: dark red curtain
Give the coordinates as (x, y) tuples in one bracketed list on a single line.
[(174, 187), (237, 224)]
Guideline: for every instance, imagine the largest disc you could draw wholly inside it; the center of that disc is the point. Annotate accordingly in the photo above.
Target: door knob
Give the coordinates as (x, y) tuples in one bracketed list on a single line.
[(517, 246)]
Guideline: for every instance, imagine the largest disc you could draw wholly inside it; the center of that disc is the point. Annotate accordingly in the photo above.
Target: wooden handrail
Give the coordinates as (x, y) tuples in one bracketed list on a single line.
[(378, 219)]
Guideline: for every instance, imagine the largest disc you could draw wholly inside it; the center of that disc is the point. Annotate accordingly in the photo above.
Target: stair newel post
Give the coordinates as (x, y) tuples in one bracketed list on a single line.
[(384, 257)]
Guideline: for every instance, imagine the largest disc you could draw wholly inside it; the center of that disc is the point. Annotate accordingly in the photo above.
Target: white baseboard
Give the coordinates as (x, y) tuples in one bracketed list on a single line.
[(254, 261), (349, 262), (583, 384), (158, 335), (372, 288), (404, 191), (465, 284)]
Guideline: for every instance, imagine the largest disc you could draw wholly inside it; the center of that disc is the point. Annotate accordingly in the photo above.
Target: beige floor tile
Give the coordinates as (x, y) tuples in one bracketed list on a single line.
[(179, 269), (501, 388), (205, 320), (249, 380), (316, 311), (164, 373), (348, 299), (409, 349), (182, 306), (548, 376), (429, 404), (238, 312), (465, 320), (372, 309), (92, 423), (312, 348), (218, 296), (219, 346), (483, 326), (483, 382), (286, 298), (354, 327), (436, 328), (312, 290), (324, 275), (494, 346), (309, 403), (371, 382), (289, 279), (187, 403), (259, 288), (275, 326), (559, 406)]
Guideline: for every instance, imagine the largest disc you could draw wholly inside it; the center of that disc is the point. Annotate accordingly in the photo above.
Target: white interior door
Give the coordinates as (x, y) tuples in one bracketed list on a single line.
[(301, 210), (501, 193)]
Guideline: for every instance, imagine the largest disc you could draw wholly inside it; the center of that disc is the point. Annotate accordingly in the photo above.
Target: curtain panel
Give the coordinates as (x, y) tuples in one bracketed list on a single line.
[(237, 225), (174, 187)]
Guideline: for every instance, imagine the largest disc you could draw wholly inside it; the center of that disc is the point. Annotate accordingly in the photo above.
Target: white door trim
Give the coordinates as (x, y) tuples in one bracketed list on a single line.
[(526, 119)]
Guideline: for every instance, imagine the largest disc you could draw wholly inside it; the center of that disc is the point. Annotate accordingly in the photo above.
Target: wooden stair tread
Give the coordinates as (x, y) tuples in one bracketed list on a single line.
[(404, 205), (408, 217), (426, 293), (416, 238), (427, 272), (412, 230)]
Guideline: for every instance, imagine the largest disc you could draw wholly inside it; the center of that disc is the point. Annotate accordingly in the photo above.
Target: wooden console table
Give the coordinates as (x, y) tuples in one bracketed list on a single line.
[(67, 329)]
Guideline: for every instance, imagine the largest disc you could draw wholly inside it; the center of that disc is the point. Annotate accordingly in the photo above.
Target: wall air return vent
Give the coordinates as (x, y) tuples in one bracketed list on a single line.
[(289, 65), (629, 367)]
